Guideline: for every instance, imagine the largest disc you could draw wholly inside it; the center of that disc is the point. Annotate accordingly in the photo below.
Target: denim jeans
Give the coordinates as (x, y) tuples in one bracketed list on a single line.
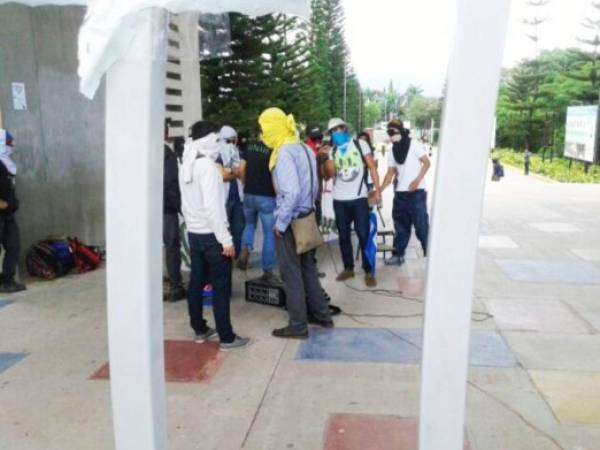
[(260, 207), (235, 217), (410, 209), (210, 266), (348, 212)]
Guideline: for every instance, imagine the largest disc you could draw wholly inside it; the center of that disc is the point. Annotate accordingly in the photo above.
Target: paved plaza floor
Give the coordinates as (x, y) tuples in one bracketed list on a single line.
[(534, 379)]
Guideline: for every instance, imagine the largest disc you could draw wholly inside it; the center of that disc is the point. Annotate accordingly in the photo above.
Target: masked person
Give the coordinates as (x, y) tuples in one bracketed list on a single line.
[(408, 163), (9, 204), (294, 167), (349, 164), (229, 161), (259, 204), (314, 140), (211, 244), (171, 210)]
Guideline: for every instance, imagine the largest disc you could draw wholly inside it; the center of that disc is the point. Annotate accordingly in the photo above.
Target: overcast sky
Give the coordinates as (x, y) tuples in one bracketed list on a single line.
[(409, 41)]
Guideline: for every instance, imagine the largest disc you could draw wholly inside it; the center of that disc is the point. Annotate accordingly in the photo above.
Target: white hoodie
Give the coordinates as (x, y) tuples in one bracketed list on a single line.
[(201, 185)]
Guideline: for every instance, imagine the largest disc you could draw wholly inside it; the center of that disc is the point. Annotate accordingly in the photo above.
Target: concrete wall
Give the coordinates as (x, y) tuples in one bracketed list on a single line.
[(60, 138)]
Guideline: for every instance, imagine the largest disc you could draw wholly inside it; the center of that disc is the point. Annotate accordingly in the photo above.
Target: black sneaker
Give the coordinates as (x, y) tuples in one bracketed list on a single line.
[(11, 286), (175, 294), (238, 342), (320, 323), (286, 333), (203, 337), (270, 278)]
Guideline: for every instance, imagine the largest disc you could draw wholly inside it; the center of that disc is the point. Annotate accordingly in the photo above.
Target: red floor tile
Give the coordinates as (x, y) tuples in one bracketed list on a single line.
[(371, 432), (185, 362), (411, 287)]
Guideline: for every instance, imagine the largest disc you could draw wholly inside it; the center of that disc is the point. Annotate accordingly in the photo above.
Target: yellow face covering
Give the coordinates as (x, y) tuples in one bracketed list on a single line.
[(277, 130)]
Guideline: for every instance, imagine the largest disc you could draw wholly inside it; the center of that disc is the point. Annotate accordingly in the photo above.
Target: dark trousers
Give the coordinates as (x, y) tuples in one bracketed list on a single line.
[(350, 212), (11, 243), (172, 243), (410, 209), (237, 222), (301, 283), (526, 167), (209, 266)]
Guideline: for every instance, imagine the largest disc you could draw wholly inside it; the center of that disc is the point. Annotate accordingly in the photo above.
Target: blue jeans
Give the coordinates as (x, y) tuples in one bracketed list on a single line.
[(410, 209), (346, 213), (260, 207), (209, 266), (235, 217)]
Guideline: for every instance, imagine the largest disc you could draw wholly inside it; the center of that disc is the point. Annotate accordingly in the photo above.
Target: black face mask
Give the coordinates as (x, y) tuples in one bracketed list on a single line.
[(400, 149)]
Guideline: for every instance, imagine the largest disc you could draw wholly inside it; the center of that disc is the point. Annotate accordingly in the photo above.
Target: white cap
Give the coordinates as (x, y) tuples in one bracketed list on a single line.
[(336, 122), (227, 133)]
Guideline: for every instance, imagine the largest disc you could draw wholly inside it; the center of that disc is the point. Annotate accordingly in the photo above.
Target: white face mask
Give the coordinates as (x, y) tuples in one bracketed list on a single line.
[(396, 138)]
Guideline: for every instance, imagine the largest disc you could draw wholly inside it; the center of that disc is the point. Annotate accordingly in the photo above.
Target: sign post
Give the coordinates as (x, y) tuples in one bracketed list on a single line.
[(581, 133)]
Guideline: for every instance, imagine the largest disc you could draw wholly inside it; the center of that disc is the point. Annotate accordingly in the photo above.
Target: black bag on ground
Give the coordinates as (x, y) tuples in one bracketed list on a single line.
[(43, 262)]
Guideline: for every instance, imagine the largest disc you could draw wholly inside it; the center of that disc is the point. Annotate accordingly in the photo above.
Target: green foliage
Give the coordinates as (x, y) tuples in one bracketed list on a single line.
[(557, 169), (302, 68)]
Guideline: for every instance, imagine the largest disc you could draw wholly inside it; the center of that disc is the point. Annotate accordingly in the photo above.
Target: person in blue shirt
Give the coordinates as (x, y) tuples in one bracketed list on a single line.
[(294, 166)]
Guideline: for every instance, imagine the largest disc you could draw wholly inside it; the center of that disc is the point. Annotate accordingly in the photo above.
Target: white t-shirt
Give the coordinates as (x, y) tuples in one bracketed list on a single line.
[(408, 171), (350, 172)]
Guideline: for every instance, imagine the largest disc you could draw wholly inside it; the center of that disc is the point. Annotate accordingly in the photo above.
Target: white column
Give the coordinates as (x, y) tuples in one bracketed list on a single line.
[(135, 91), (473, 78)]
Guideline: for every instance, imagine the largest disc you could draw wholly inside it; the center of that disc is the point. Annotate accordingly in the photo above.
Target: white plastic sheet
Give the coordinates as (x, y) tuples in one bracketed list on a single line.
[(110, 26)]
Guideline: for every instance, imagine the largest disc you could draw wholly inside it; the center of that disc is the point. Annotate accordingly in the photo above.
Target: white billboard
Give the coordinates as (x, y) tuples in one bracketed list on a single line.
[(581, 133)]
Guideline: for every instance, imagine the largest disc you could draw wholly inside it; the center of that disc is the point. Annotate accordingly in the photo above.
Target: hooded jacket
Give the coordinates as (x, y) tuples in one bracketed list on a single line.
[(201, 185)]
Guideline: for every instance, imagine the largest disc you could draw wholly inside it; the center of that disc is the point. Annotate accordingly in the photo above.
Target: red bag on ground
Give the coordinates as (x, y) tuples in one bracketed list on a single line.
[(86, 258)]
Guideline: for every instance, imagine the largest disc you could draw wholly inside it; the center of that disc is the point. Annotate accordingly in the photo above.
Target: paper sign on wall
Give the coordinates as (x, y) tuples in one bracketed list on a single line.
[(19, 97)]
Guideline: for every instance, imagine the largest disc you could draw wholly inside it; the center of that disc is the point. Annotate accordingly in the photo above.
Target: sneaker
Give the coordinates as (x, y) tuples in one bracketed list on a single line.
[(345, 275), (242, 262), (202, 338), (320, 323), (238, 342), (270, 278), (394, 261), (287, 333), (11, 286), (175, 294), (370, 280)]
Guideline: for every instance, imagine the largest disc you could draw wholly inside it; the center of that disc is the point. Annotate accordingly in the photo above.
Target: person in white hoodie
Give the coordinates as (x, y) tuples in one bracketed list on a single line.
[(211, 244)]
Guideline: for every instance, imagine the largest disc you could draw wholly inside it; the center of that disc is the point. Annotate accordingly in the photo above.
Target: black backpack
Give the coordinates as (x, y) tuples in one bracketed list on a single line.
[(44, 261)]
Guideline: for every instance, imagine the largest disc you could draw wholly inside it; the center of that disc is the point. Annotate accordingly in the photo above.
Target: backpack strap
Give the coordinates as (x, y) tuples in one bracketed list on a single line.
[(364, 161)]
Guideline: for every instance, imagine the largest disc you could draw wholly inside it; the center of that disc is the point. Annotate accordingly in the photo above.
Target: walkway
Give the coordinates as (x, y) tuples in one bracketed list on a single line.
[(534, 381)]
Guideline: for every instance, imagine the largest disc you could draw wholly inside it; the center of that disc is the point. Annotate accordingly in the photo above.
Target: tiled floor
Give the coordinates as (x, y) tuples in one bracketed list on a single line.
[(545, 316), (550, 271), (185, 362), (7, 360), (588, 254), (364, 345), (372, 432), (411, 287), (573, 396), (497, 242), (4, 303), (555, 227)]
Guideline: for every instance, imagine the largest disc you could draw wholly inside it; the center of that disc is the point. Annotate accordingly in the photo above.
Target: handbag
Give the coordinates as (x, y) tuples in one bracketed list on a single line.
[(304, 228)]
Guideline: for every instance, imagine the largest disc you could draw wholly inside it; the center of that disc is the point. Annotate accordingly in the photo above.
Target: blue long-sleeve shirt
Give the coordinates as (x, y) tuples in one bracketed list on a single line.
[(291, 177)]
